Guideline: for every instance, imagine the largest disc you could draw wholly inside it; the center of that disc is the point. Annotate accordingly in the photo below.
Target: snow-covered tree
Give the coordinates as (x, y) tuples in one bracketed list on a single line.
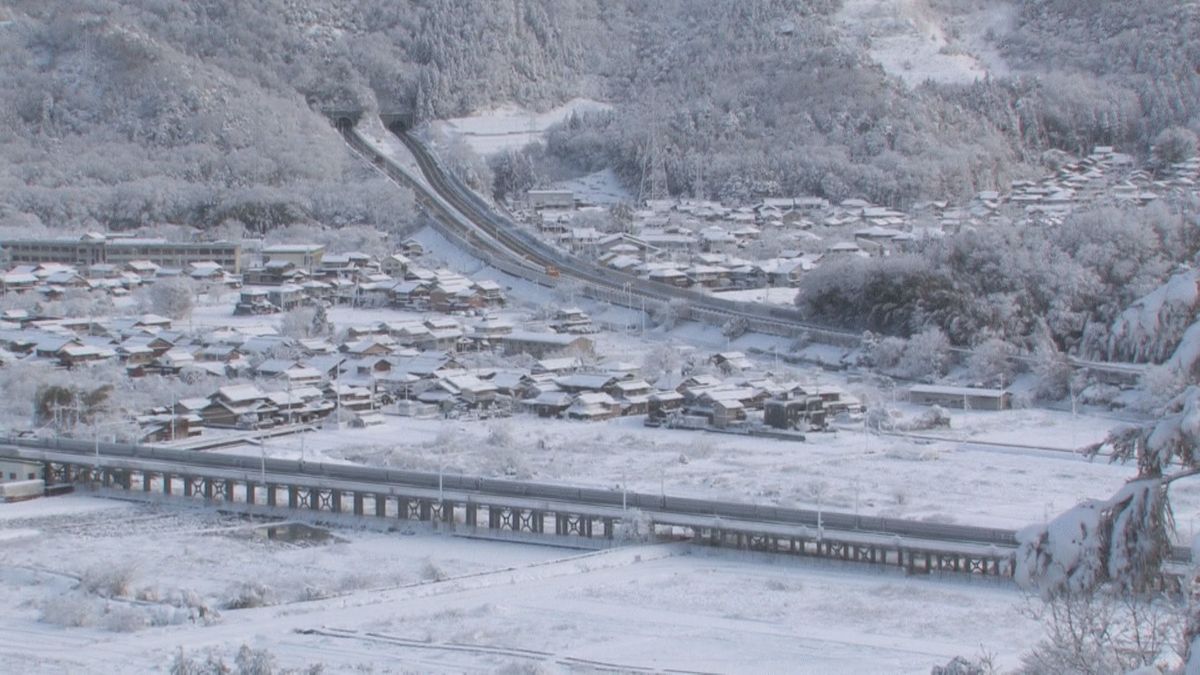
[(1105, 632), (661, 361), (305, 322), (1174, 144), (926, 355), (172, 297), (1122, 541)]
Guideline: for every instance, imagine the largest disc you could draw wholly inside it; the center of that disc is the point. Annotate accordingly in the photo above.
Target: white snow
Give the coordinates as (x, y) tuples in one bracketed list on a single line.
[(511, 127), (68, 505), (602, 187), (14, 535), (370, 601), (915, 41), (775, 296)]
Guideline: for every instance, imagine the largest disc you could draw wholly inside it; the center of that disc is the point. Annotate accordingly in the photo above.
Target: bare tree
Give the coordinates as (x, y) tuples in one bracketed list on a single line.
[(1102, 632)]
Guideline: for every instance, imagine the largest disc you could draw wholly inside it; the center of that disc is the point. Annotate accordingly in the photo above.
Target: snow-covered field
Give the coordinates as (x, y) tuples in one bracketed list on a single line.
[(916, 41), (81, 591), (775, 296), (512, 127), (600, 187), (946, 481)]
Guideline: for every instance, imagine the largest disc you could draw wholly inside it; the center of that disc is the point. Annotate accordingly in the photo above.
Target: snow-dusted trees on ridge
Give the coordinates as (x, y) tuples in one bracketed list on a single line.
[(131, 113), (1020, 282), (1173, 145)]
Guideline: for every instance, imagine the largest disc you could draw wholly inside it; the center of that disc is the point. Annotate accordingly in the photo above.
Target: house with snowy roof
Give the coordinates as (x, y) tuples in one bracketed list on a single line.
[(238, 406), (540, 345), (593, 407), (553, 403)]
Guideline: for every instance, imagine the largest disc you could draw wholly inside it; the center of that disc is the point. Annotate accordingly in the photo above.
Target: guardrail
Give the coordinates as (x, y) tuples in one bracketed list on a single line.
[(501, 487)]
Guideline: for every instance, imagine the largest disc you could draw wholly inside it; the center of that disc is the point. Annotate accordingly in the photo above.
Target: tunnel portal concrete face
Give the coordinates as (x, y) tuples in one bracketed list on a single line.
[(397, 121), (347, 118)]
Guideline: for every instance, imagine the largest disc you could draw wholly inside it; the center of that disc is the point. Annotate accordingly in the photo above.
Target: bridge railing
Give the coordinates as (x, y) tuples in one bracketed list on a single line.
[(485, 486)]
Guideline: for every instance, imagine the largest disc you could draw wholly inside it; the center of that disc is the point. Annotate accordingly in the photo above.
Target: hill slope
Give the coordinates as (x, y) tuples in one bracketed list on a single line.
[(127, 113)]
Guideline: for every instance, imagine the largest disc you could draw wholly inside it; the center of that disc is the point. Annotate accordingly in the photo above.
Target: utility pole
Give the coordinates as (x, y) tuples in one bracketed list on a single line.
[(262, 454), (820, 524)]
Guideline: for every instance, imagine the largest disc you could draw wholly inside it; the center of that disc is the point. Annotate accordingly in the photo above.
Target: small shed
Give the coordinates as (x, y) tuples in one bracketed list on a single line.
[(966, 398)]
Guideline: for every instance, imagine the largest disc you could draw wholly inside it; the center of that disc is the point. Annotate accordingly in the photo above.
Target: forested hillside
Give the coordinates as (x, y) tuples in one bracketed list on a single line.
[(121, 114), (127, 113), (750, 99), (739, 100)]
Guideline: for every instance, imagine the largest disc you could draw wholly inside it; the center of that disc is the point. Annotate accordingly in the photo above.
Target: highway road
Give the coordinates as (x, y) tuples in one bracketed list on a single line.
[(467, 220)]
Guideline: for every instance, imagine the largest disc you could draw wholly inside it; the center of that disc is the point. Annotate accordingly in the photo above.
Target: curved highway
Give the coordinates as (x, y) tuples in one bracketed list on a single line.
[(475, 225), (467, 219)]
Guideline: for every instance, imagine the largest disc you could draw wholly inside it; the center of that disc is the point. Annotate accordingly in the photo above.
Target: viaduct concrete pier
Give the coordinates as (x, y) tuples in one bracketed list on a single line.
[(483, 506)]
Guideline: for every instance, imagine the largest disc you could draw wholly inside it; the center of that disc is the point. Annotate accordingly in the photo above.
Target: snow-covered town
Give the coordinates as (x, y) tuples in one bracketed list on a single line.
[(739, 336), (745, 251)]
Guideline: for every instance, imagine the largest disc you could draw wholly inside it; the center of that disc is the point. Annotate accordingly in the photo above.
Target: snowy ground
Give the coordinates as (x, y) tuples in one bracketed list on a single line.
[(919, 40), (602, 187), (947, 481), (775, 296), (511, 127), (951, 481), (649, 606), (372, 601)]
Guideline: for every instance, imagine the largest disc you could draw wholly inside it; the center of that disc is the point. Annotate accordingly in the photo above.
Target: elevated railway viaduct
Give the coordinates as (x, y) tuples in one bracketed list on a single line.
[(481, 506)]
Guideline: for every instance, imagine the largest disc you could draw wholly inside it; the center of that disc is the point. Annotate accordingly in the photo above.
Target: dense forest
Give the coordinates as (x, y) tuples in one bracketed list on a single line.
[(123, 114), (738, 100)]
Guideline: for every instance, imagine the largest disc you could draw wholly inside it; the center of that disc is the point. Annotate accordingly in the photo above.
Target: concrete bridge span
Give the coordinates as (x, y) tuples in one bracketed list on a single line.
[(479, 505)]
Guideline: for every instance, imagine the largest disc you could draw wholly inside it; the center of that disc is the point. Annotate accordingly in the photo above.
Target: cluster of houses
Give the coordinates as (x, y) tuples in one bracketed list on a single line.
[(112, 263), (418, 367), (705, 244), (52, 280), (1103, 176), (283, 277), (291, 276), (302, 379), (744, 401)]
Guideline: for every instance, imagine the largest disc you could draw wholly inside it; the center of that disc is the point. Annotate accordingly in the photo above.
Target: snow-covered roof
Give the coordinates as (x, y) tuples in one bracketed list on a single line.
[(240, 393), (942, 390)]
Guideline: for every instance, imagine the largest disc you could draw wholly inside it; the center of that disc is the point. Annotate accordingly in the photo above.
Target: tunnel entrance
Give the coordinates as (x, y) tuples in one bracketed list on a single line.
[(398, 122)]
